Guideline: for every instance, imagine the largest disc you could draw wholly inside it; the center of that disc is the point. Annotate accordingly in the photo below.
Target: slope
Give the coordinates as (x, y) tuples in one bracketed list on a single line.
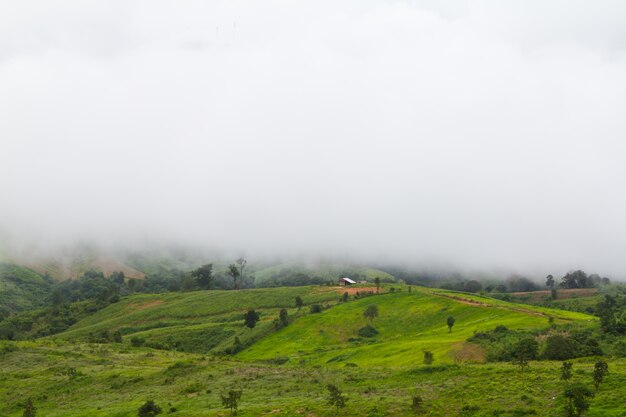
[(21, 288), (408, 324), (200, 321)]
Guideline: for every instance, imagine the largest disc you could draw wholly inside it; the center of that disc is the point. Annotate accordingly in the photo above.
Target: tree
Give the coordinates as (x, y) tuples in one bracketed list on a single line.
[(241, 264), (525, 350), (377, 282), (204, 276), (231, 400), (117, 277), (600, 370), (251, 318), (283, 316), (233, 271), (566, 370), (575, 279), (578, 397), (473, 286), (429, 358), (371, 312), (299, 302), (57, 297), (450, 322), (336, 397), (550, 281), (132, 284), (29, 409), (560, 348), (612, 316), (553, 294), (149, 409)]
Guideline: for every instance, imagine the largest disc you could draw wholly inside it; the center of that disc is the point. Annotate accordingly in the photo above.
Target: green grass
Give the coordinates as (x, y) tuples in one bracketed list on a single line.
[(285, 372), (21, 288), (114, 380), (408, 324), (200, 321)]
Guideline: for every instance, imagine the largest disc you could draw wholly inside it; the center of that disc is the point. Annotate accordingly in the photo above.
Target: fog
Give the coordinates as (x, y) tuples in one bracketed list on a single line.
[(475, 134)]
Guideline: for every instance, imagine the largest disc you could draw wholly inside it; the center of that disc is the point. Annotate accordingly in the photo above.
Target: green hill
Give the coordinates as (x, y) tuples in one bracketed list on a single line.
[(408, 324), (200, 321), (285, 372), (21, 288)]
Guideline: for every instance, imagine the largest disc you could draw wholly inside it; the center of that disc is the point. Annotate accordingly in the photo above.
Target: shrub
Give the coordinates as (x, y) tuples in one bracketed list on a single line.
[(336, 397), (368, 331), (231, 400), (149, 409), (137, 341), (315, 308), (29, 409)]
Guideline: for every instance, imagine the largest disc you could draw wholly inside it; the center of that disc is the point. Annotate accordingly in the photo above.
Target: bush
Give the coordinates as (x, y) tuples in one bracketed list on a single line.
[(137, 341), (149, 409), (315, 308), (368, 331)]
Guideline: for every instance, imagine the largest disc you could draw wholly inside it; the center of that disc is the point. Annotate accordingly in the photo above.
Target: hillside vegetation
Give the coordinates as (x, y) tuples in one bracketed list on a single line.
[(113, 380), (199, 321), (408, 324), (21, 288)]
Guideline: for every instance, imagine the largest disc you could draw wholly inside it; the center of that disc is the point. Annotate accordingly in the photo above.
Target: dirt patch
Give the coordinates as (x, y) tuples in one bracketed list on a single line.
[(561, 293), (354, 290), (146, 305), (469, 353)]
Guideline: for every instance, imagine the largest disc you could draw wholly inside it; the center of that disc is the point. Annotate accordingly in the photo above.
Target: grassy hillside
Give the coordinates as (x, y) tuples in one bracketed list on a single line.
[(285, 372), (200, 321), (408, 324), (21, 288), (209, 321)]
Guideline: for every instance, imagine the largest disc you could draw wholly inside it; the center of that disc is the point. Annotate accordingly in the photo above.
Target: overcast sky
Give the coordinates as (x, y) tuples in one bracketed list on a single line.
[(479, 134)]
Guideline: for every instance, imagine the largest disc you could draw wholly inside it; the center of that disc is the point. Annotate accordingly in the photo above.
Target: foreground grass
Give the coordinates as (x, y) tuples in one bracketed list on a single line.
[(114, 380)]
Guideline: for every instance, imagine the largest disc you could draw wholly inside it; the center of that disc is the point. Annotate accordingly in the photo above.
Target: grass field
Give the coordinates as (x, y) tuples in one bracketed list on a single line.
[(408, 324), (284, 372), (200, 321), (114, 380)]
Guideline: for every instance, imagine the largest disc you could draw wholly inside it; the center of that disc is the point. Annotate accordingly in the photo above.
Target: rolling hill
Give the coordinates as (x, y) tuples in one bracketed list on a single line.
[(285, 371), (408, 323)]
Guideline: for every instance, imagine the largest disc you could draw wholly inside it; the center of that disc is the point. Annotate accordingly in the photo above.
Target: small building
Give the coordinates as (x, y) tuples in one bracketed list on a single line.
[(346, 281)]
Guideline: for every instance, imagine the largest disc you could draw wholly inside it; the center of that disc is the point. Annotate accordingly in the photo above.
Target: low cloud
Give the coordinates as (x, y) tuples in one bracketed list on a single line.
[(481, 134)]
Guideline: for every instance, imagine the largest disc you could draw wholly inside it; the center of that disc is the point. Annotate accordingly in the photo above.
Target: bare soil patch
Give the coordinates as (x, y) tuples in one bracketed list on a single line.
[(147, 305), (354, 290), (561, 293)]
